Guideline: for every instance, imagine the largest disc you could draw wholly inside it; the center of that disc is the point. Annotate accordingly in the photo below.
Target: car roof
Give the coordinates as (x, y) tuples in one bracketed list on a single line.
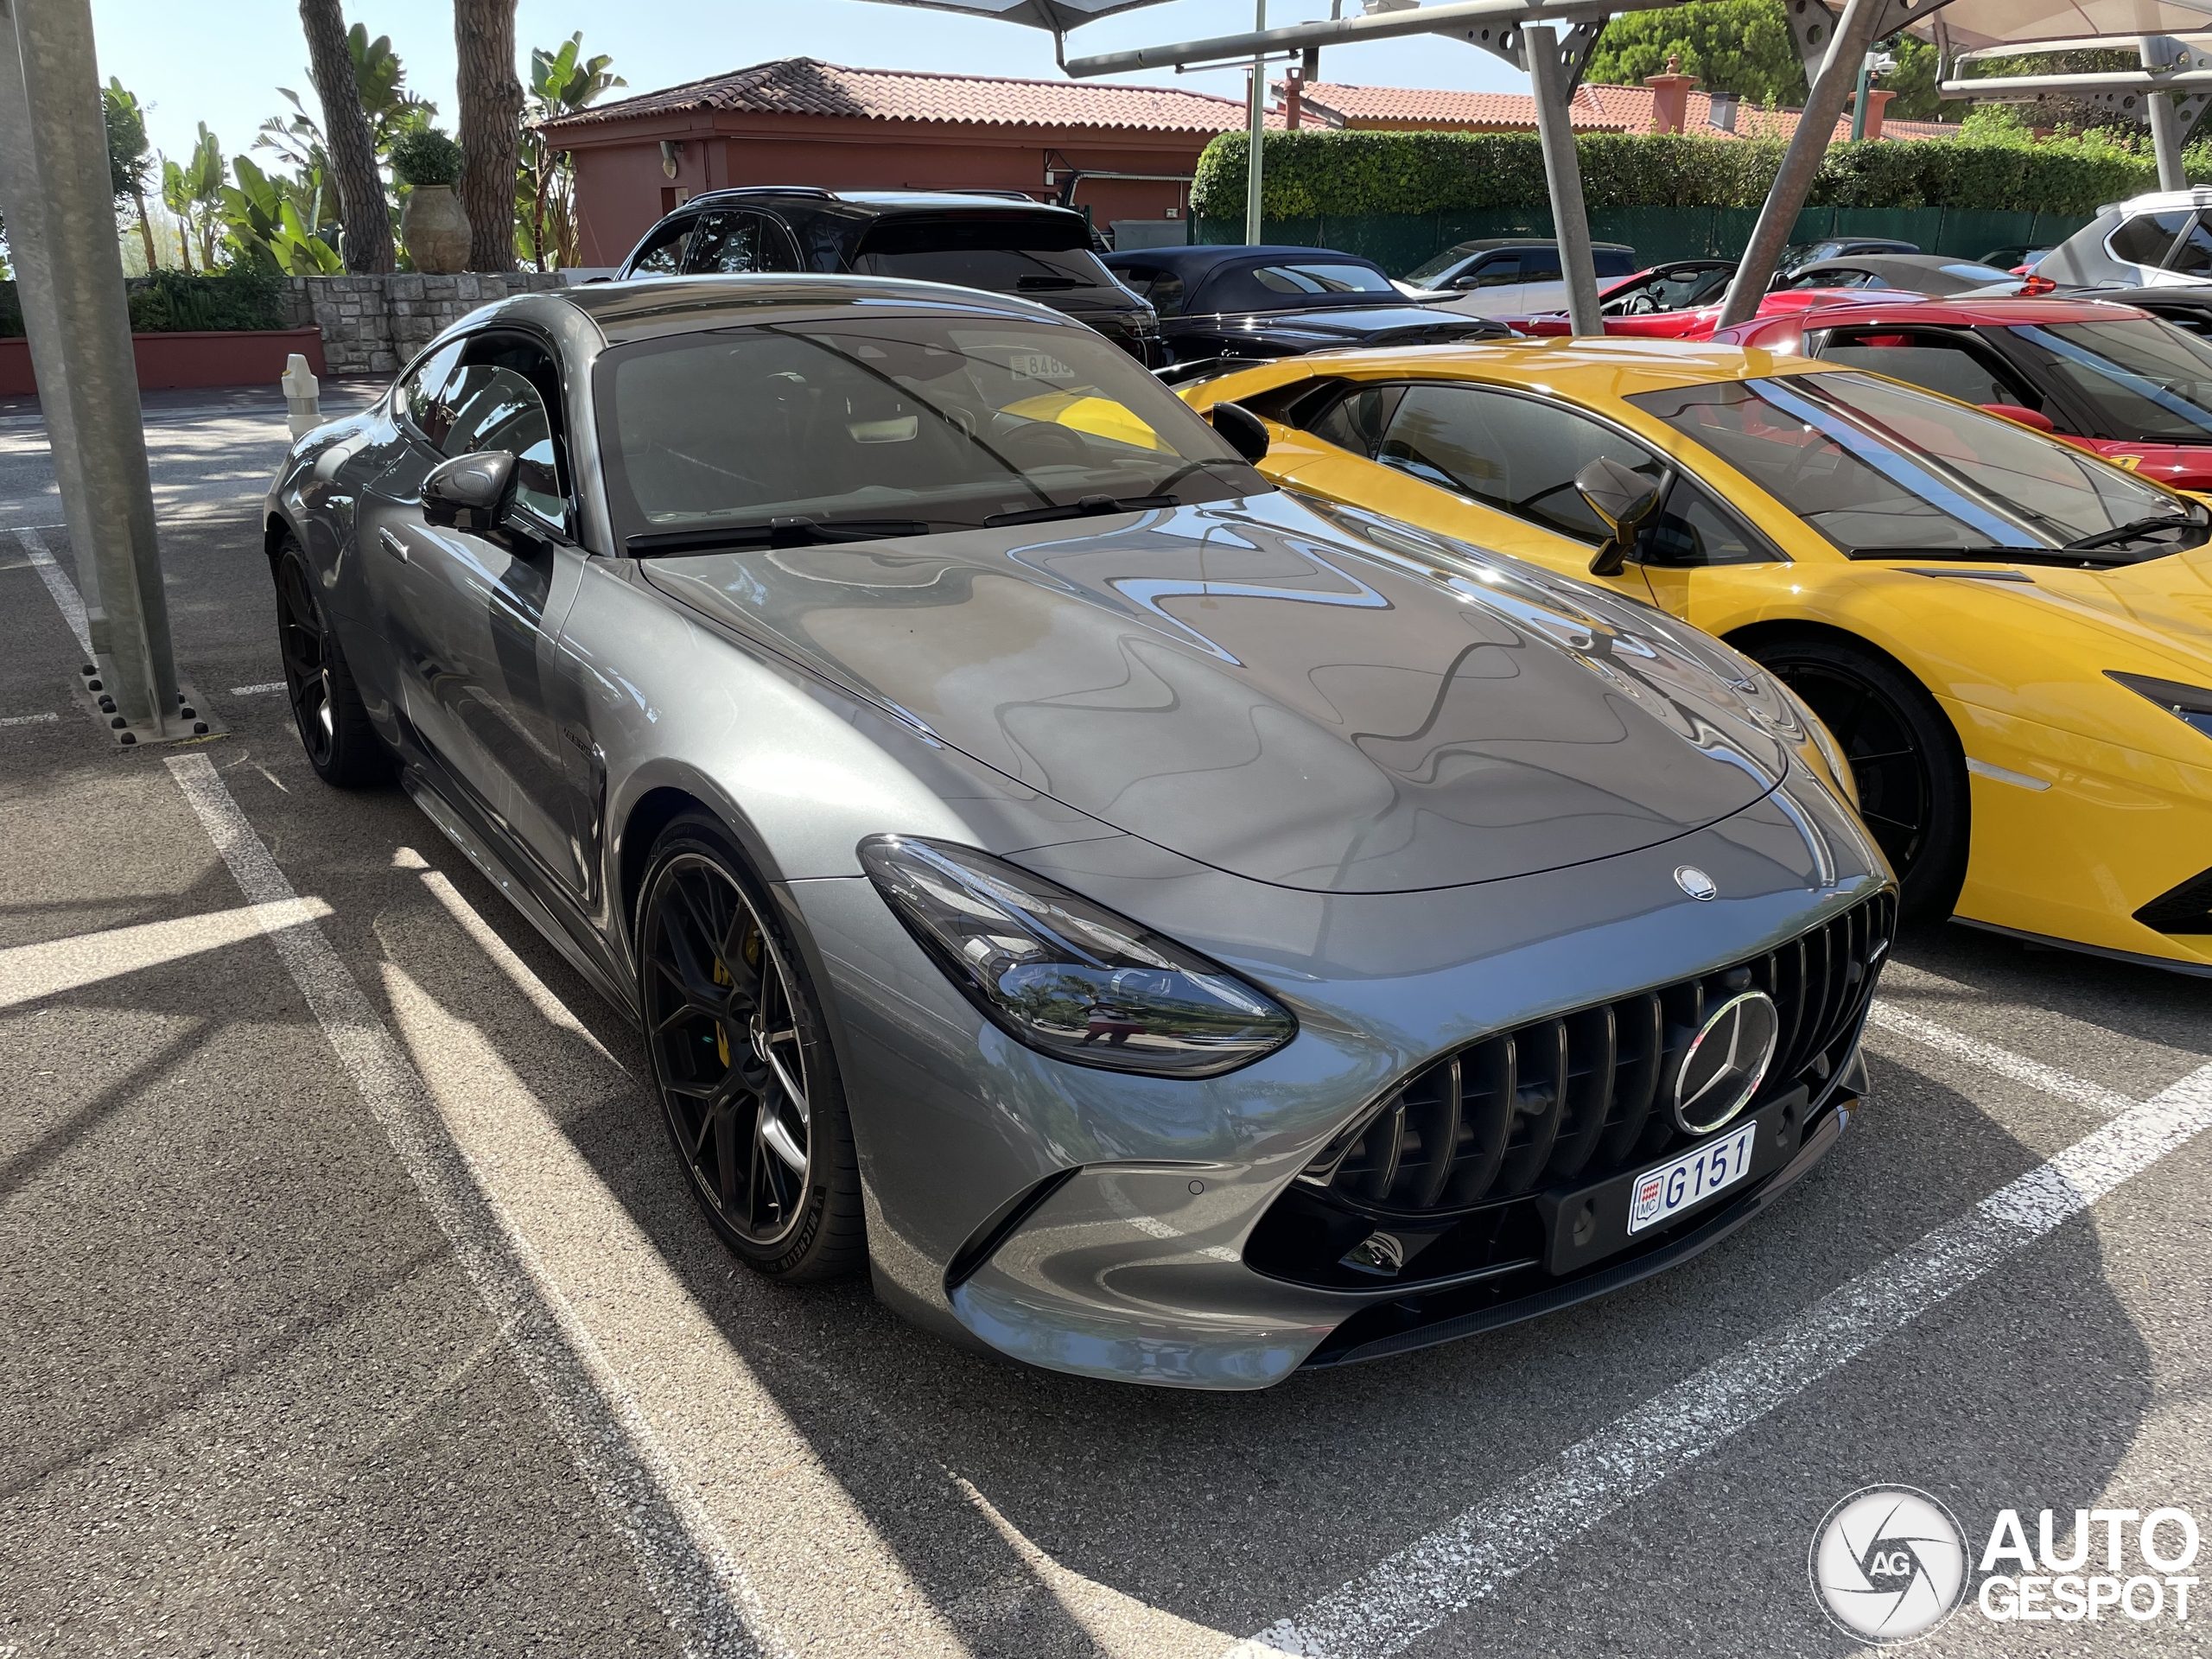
[(886, 202), (2190, 294), (1484, 244), (1189, 262), (1990, 314), (649, 307), (1588, 370), (2155, 200)]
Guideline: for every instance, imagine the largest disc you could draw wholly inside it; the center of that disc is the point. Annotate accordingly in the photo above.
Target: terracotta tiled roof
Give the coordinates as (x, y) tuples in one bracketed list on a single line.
[(808, 86), (1595, 109)]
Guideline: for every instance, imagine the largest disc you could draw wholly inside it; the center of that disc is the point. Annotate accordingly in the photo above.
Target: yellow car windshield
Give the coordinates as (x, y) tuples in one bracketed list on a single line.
[(1879, 467)]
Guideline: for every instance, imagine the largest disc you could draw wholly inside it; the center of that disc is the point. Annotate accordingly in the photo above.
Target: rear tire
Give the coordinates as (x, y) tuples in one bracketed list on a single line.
[(1904, 757), (742, 1060), (341, 744)]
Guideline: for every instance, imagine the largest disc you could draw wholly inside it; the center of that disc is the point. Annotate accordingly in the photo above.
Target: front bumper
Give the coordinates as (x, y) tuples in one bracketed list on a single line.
[(1098, 1224)]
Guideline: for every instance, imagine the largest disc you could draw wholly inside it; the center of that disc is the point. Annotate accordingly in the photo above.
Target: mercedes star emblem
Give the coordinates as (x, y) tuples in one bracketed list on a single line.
[(1695, 882), (1726, 1063)]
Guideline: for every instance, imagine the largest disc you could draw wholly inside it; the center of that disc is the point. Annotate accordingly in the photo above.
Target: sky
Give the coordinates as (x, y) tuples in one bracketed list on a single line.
[(227, 76)]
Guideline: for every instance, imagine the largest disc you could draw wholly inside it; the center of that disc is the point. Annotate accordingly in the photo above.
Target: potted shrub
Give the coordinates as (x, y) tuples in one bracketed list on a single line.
[(431, 222)]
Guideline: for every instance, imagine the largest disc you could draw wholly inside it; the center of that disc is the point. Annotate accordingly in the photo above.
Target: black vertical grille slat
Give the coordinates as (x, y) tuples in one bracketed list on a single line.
[(1588, 1094), (1540, 1098), (1636, 1067), (1487, 1120), (1590, 1054)]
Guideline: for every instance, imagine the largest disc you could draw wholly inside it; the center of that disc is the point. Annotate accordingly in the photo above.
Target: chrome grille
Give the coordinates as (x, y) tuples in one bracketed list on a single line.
[(1584, 1095)]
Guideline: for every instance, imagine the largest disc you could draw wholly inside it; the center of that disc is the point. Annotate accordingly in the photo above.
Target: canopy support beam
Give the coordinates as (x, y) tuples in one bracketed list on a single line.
[(56, 183)]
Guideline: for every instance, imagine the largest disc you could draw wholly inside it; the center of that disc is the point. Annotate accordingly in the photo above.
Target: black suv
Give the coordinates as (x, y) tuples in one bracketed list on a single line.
[(1001, 243)]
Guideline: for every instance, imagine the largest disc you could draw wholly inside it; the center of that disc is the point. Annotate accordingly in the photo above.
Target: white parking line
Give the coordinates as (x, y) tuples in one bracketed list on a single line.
[(681, 1554), (1409, 1593), (2106, 1103), (257, 690), (28, 720), (58, 583)]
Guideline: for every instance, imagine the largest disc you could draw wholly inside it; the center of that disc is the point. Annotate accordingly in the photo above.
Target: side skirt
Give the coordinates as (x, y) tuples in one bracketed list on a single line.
[(563, 929), (2201, 969)]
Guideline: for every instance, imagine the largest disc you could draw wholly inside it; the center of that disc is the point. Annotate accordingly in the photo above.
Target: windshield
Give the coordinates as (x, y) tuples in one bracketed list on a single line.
[(1035, 254), (905, 421), (1295, 284), (1872, 465), (2144, 379), (1437, 265)]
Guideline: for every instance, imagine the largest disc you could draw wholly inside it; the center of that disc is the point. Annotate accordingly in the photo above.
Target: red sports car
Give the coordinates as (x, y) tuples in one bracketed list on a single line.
[(1629, 311), (2110, 379)]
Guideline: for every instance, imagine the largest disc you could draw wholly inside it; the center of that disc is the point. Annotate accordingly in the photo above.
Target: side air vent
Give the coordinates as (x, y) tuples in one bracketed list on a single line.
[(2187, 909)]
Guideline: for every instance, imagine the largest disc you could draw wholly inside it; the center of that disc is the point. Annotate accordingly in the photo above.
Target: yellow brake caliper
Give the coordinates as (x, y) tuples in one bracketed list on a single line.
[(721, 1032)]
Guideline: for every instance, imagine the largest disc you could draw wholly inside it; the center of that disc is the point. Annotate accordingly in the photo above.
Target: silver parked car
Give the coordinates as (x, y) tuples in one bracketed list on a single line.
[(2156, 240), (1171, 930)]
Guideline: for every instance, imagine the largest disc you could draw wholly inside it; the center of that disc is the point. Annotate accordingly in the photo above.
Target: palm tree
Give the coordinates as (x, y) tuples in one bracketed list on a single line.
[(561, 83), (127, 157), (367, 241), (491, 127)]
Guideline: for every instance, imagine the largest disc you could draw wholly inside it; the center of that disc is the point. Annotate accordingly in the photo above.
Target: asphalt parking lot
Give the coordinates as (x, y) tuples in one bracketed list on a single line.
[(352, 1301)]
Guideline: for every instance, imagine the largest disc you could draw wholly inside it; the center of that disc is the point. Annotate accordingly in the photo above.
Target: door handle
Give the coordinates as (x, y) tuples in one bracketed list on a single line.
[(392, 545)]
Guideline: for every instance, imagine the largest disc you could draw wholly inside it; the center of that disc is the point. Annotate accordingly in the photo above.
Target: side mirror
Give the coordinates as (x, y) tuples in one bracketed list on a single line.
[(1623, 500), (1246, 432), (469, 492), (2034, 417)]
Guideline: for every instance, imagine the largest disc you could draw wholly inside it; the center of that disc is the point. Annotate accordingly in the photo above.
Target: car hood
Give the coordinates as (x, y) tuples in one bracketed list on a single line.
[(1348, 323), (1302, 694)]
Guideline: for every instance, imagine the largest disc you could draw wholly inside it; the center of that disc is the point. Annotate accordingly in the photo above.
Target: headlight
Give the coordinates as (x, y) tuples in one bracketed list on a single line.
[(1831, 751), (1067, 977), (2187, 704)]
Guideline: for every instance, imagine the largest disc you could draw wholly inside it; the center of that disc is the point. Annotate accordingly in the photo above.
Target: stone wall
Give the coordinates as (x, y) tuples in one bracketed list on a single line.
[(373, 324)]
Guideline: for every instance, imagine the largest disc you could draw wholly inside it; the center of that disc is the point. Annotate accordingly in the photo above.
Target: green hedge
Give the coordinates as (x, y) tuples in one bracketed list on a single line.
[(170, 303), (1311, 175)]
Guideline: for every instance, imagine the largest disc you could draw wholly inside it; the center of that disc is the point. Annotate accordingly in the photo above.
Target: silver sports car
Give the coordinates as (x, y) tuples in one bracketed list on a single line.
[(1171, 929)]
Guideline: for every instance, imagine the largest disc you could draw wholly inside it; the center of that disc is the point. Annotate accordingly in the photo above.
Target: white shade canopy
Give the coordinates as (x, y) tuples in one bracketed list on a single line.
[(1058, 16), (2026, 25)]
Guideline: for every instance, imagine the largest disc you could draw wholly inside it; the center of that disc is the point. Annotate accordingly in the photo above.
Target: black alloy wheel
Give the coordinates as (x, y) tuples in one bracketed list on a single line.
[(747, 1083), (341, 745), (1905, 756)]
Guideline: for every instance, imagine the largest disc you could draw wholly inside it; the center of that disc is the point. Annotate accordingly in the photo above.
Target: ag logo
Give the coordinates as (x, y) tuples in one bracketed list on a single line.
[(1726, 1063), (1889, 1564)]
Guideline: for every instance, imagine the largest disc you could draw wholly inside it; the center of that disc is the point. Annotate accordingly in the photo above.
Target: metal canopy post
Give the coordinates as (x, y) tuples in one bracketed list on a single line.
[(62, 135), (1257, 127), (2156, 52), (1845, 49), (1553, 75)]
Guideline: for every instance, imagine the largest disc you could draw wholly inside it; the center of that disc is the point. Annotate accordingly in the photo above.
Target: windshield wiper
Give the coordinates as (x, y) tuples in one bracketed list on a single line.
[(1090, 506), (2132, 529), (794, 530)]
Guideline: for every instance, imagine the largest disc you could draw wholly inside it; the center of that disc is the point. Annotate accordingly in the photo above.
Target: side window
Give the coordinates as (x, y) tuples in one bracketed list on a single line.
[(1692, 530), (1951, 366), (1541, 265), (498, 402), (1614, 261), (419, 401), (1519, 455), (2192, 255), (2147, 239), (737, 244), (661, 254), (1357, 422), (1499, 272)]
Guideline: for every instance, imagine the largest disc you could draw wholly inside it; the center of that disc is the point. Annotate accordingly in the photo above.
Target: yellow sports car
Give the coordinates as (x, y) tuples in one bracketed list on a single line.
[(2011, 639)]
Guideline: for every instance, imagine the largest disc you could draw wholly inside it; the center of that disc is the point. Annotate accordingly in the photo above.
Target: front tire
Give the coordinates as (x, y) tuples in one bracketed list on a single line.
[(1904, 758), (334, 725), (747, 1082)]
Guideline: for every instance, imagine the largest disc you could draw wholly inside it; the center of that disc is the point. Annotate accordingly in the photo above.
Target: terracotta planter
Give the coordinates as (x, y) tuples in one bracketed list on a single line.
[(435, 229), (241, 359)]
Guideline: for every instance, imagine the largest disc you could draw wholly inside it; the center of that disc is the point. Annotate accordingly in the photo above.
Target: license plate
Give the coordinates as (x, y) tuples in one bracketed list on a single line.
[(1035, 365), (1660, 1194)]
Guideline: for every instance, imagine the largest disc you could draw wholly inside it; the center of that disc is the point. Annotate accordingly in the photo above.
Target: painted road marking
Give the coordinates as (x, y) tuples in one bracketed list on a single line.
[(57, 582), (2105, 1103), (680, 1552), (257, 690), (1409, 1593), (28, 719)]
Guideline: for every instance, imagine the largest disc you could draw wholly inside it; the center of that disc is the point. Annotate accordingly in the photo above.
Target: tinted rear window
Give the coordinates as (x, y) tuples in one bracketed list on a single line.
[(1295, 285), (1612, 262)]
